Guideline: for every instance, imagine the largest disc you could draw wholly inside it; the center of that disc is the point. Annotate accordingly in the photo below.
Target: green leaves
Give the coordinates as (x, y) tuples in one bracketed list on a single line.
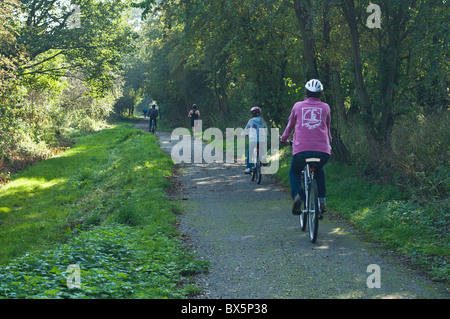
[(113, 265), (112, 209), (95, 46)]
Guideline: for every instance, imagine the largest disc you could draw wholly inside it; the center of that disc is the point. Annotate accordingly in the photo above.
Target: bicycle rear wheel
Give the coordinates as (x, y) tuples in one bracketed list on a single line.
[(313, 211), (254, 173), (258, 172)]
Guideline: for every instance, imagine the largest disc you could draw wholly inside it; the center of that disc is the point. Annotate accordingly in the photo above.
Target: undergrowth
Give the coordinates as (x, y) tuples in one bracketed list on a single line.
[(102, 205), (115, 261)]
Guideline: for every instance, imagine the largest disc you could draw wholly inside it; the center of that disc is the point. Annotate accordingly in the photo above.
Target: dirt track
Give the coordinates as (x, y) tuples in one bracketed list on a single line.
[(257, 250)]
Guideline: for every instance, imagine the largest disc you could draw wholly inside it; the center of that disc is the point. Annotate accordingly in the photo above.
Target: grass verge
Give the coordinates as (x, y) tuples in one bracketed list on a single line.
[(418, 229), (102, 205)]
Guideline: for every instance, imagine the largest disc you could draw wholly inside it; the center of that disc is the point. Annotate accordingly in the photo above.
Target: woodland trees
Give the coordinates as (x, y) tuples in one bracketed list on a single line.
[(56, 75), (385, 72), (381, 79)]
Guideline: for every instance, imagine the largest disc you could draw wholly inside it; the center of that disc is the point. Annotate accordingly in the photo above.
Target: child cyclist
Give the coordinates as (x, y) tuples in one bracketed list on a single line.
[(256, 129)]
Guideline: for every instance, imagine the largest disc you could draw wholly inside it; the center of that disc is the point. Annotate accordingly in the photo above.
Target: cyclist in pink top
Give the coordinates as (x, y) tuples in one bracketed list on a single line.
[(310, 121)]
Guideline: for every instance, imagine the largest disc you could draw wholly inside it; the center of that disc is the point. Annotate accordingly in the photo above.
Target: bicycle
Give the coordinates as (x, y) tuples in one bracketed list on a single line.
[(256, 170), (310, 212), (152, 126)]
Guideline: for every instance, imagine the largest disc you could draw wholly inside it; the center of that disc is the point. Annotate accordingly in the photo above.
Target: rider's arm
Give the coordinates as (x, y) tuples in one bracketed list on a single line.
[(290, 127), (329, 127), (245, 131)]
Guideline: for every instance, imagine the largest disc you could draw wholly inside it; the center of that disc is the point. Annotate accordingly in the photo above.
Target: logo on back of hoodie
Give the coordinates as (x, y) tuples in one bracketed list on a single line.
[(311, 117)]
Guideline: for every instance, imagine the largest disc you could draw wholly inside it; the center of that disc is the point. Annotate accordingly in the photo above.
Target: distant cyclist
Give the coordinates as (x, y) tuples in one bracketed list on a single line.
[(311, 121), (152, 114), (256, 137), (194, 115)]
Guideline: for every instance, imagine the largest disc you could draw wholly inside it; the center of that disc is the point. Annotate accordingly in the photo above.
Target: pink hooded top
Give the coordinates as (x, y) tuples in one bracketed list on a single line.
[(311, 121)]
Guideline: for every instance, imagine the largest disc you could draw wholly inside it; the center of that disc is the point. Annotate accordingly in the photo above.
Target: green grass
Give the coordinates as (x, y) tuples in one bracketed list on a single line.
[(102, 205), (415, 228)]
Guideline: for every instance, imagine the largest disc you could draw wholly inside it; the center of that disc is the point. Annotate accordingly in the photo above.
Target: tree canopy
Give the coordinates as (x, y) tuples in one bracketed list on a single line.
[(384, 65), (227, 56)]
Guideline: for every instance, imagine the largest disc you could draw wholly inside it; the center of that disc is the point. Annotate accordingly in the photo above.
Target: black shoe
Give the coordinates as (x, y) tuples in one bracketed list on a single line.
[(297, 207)]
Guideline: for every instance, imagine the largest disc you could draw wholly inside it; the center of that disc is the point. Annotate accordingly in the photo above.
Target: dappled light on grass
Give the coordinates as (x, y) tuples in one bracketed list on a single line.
[(26, 184), (118, 179), (146, 165)]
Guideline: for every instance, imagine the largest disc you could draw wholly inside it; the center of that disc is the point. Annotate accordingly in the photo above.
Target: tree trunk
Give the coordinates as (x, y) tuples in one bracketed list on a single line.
[(334, 98), (349, 10), (303, 12)]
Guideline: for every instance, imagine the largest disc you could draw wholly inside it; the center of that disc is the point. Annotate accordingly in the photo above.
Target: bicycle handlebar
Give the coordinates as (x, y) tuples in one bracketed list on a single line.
[(286, 144)]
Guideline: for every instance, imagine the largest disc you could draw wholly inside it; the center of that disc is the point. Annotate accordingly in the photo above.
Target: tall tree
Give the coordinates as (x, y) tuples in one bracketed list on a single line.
[(377, 55), (305, 18)]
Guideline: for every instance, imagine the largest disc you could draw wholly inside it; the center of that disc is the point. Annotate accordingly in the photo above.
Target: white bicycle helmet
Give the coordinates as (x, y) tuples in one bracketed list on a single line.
[(314, 86)]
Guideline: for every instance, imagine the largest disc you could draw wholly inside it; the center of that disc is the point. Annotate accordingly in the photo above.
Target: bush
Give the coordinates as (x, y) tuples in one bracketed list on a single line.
[(422, 150), (35, 125)]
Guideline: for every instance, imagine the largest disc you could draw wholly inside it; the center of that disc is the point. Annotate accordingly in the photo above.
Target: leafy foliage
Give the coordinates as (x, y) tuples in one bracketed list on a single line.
[(115, 263), (106, 197), (95, 46)]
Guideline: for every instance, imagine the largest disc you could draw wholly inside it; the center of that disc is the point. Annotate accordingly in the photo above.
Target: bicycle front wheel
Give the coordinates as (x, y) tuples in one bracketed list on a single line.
[(304, 214), (313, 211)]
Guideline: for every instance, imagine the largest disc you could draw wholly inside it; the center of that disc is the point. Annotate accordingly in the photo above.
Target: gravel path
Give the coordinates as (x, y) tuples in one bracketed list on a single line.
[(257, 251)]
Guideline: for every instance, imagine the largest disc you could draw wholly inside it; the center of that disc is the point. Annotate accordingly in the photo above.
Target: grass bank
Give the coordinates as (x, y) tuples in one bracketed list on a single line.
[(415, 228), (102, 205)]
